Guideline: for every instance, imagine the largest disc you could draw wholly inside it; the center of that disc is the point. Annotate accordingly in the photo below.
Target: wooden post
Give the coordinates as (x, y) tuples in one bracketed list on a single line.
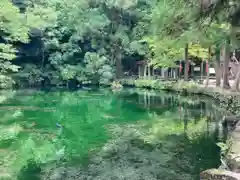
[(139, 71), (149, 72), (174, 73), (145, 71)]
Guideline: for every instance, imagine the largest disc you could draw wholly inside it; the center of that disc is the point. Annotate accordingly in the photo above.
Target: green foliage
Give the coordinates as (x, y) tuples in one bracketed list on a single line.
[(165, 54), (97, 68), (12, 29), (180, 85), (196, 50), (16, 27), (116, 85), (170, 31), (224, 148), (176, 24), (143, 83), (84, 40), (163, 85), (41, 16), (95, 40), (12, 23)]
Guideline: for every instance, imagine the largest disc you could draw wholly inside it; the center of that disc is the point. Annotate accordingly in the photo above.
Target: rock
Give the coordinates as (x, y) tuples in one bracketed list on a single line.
[(57, 174), (216, 174), (233, 156), (5, 175), (230, 121), (9, 131)]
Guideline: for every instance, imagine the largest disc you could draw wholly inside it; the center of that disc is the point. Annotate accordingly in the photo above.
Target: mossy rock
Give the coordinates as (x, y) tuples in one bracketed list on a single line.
[(217, 174)]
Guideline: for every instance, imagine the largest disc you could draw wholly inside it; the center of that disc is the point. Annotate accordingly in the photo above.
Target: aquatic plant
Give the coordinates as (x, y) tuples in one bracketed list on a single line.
[(91, 122)]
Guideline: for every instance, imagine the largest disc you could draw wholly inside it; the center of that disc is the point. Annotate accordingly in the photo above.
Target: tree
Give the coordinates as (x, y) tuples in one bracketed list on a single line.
[(227, 11), (109, 29), (207, 68), (182, 25), (177, 23), (217, 66), (97, 68), (17, 29), (186, 69), (235, 86), (63, 33), (12, 29), (226, 84)]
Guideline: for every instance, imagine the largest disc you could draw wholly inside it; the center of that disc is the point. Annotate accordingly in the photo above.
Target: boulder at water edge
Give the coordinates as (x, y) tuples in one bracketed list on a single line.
[(217, 174)]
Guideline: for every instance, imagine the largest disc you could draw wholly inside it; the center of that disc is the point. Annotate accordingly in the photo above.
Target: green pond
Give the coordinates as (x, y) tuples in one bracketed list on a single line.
[(102, 135)]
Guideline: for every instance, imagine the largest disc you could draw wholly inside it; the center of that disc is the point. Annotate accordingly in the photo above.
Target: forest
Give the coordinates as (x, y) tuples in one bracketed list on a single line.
[(64, 42), (100, 133)]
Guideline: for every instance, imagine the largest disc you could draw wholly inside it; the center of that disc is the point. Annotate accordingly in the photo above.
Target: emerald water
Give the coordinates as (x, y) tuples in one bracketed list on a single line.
[(103, 135)]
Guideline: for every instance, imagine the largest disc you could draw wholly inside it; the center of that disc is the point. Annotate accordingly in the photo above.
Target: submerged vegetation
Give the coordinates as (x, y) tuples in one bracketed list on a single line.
[(65, 129), (71, 42)]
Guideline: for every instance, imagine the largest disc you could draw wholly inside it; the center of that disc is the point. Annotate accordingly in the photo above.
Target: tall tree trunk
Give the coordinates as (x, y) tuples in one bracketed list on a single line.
[(118, 68), (207, 66), (235, 86), (226, 84), (217, 67), (119, 72), (186, 63)]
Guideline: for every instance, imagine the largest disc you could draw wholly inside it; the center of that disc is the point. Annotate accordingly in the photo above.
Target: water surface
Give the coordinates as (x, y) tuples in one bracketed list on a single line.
[(131, 134)]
